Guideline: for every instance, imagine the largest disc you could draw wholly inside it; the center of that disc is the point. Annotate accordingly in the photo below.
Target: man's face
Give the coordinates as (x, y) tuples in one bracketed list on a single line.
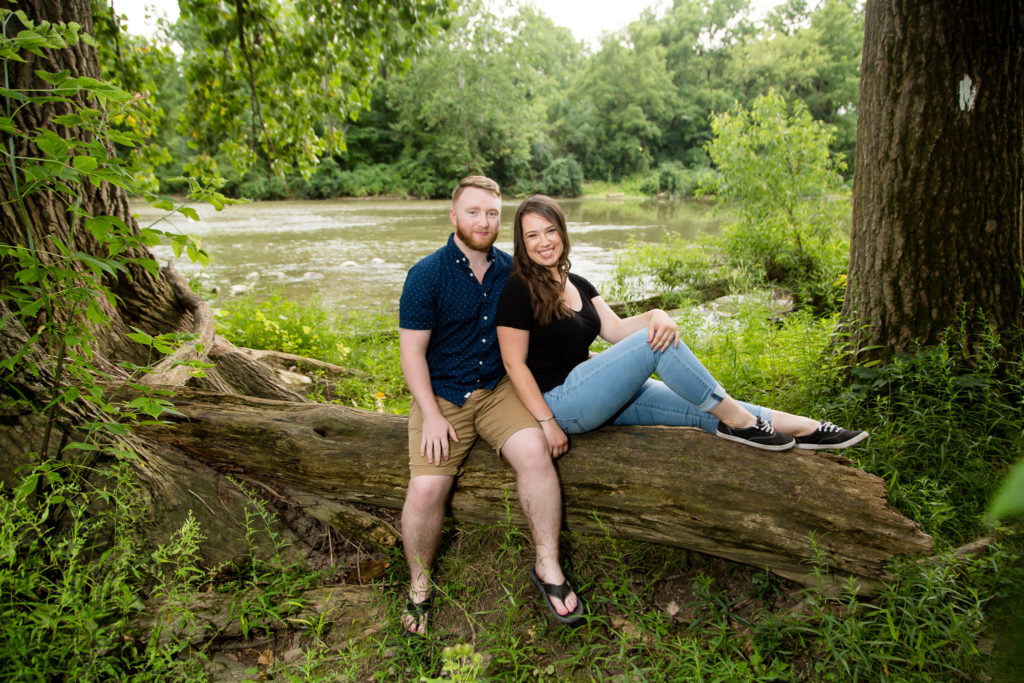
[(475, 217)]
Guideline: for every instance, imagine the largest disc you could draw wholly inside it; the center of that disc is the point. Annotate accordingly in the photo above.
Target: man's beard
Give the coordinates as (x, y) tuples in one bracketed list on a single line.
[(473, 241)]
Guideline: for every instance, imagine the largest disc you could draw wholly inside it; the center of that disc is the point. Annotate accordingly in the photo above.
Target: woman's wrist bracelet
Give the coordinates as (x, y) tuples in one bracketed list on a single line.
[(547, 418)]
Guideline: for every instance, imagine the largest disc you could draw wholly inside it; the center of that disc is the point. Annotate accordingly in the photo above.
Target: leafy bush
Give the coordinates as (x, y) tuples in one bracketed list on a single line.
[(674, 179), (778, 176), (696, 269), (282, 325), (563, 177)]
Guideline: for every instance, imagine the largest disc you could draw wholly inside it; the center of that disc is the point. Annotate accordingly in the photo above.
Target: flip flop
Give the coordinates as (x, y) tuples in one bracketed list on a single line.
[(420, 613), (560, 591)]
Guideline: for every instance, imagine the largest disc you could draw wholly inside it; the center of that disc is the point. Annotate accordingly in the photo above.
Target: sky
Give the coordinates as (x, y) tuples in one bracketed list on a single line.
[(587, 19)]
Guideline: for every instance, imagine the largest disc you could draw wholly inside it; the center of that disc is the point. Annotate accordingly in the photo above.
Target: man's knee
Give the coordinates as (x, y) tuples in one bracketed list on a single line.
[(527, 448), (428, 491)]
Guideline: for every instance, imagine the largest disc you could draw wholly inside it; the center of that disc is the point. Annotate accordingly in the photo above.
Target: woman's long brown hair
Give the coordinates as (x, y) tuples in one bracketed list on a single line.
[(545, 289)]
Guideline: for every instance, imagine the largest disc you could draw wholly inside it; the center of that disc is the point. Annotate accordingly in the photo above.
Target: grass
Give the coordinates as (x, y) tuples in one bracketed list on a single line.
[(943, 434)]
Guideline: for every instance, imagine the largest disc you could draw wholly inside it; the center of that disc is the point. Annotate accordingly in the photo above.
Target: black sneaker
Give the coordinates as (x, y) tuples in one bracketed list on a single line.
[(762, 435), (829, 435)]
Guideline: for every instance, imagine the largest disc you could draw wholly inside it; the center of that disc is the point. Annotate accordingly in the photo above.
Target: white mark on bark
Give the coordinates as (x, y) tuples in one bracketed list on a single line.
[(991, 225), (967, 94)]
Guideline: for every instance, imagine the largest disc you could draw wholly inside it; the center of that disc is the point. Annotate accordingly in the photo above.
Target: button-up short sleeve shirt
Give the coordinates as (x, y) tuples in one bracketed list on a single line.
[(442, 295)]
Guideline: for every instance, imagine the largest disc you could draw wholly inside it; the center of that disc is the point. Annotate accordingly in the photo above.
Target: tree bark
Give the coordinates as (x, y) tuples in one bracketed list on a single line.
[(677, 486), (937, 198)]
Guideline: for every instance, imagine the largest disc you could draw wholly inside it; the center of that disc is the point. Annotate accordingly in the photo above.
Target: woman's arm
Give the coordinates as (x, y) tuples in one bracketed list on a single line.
[(514, 344), (662, 331)]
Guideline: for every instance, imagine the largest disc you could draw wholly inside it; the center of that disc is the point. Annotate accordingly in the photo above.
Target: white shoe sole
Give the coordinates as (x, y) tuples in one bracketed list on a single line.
[(826, 446), (761, 446)]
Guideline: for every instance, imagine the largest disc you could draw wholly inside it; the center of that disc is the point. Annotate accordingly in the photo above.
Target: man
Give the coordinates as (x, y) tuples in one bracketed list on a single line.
[(451, 361)]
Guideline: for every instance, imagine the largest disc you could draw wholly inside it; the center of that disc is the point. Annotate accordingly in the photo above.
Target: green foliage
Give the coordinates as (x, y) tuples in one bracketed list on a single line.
[(275, 323), (70, 573), (74, 569), (1009, 501), (503, 93), (785, 188), (61, 289), (473, 99), (949, 417), (279, 80), (776, 177), (624, 97), (812, 56), (563, 177)]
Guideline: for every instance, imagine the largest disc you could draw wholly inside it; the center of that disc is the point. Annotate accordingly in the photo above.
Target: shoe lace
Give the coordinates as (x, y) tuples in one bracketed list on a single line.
[(765, 426), (829, 427)]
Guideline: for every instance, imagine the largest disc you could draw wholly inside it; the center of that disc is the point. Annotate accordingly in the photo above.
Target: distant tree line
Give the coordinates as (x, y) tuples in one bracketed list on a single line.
[(513, 96)]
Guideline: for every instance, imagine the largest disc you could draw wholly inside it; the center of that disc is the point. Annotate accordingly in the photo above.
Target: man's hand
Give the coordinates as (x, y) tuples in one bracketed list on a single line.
[(434, 442), (558, 442), (662, 332)]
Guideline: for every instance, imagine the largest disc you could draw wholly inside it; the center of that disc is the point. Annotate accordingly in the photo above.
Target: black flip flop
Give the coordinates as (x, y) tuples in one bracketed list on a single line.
[(420, 613), (560, 591)]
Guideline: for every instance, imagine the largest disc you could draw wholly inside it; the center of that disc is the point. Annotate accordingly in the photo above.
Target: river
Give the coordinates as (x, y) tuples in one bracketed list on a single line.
[(355, 253)]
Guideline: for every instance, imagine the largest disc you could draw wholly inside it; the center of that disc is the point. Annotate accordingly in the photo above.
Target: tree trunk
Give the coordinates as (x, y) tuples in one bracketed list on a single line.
[(678, 486), (937, 198)]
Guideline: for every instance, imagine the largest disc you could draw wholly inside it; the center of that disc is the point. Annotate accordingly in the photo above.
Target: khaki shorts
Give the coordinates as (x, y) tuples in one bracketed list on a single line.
[(494, 414)]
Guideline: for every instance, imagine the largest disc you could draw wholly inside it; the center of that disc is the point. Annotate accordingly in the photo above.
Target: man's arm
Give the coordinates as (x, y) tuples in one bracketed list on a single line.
[(412, 346)]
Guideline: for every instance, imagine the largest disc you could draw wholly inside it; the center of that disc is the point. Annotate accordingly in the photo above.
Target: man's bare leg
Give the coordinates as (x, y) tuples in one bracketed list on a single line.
[(422, 522), (541, 497)]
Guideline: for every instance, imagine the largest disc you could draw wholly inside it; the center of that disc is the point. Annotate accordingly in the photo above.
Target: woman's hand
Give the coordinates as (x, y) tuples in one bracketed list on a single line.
[(558, 442), (662, 331)]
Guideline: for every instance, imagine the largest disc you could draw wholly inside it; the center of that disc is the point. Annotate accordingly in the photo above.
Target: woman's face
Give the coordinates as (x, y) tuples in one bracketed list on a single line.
[(542, 240)]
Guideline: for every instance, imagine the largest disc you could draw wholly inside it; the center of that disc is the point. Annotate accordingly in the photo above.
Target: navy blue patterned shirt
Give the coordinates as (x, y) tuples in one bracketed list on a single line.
[(442, 295)]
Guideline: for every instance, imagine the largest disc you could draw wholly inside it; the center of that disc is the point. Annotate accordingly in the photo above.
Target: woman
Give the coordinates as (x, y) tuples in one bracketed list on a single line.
[(547, 318)]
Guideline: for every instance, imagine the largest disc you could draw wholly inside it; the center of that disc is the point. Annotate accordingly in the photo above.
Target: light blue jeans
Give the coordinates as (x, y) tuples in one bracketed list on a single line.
[(615, 387)]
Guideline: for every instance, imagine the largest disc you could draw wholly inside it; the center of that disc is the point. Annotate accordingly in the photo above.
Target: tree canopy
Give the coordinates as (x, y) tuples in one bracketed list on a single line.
[(343, 98)]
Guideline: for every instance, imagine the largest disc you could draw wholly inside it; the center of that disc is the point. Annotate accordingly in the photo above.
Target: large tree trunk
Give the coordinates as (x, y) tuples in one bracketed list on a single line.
[(677, 486), (937, 198)]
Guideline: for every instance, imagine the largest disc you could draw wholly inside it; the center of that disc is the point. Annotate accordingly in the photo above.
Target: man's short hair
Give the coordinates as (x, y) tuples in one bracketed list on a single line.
[(482, 182)]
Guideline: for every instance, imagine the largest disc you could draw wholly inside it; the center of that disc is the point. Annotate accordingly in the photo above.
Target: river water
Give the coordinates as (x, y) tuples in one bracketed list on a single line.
[(355, 253)]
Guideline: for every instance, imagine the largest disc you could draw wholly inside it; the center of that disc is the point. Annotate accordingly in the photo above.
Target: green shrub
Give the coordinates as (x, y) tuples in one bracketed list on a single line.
[(563, 177), (282, 325), (787, 191)]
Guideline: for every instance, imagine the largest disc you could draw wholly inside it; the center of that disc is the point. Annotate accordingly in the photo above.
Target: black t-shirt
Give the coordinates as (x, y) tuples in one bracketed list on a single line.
[(556, 348)]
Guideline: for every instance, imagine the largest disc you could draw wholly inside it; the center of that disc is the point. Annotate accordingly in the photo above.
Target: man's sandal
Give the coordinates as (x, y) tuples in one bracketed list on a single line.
[(560, 591), (419, 613)]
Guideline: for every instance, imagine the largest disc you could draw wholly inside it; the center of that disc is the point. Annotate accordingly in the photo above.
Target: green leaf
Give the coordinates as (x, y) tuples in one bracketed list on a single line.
[(84, 163), (82, 446), (52, 145), (100, 227), (96, 264), (7, 125), (27, 487), (1009, 501), (53, 78), (95, 314), (140, 337), (114, 428)]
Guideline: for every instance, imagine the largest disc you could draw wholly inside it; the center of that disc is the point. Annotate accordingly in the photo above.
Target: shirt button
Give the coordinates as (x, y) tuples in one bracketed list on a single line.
[(481, 362), (485, 317), (483, 341)]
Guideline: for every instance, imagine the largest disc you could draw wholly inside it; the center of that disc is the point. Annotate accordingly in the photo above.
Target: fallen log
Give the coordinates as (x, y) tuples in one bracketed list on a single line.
[(784, 512)]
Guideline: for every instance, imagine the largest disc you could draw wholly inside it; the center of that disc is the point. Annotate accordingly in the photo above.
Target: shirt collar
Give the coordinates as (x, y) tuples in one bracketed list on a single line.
[(459, 257)]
